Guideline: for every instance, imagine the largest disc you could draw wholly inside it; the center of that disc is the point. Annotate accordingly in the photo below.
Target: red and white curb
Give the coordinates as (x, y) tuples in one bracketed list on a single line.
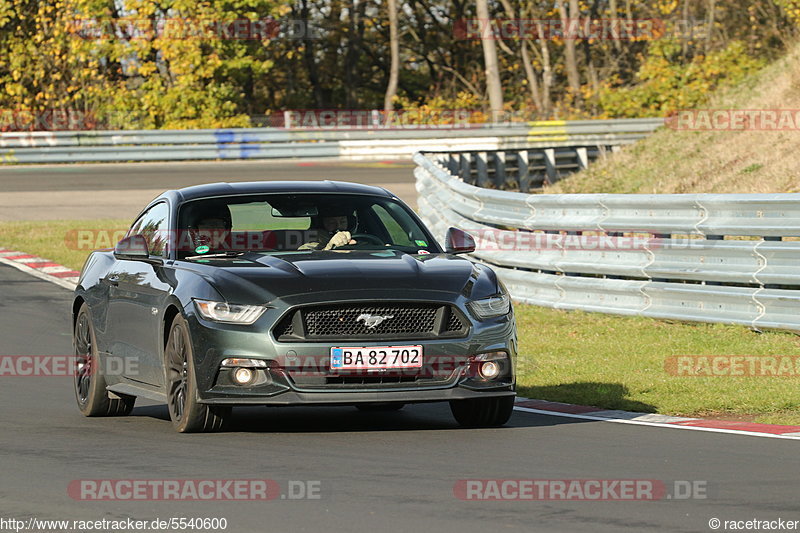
[(68, 278), (41, 268), (585, 412)]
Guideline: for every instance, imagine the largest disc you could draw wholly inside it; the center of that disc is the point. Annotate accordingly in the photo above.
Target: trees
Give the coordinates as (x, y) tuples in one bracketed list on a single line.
[(44, 71), (493, 86), (569, 20), (155, 63), (133, 64), (394, 47)]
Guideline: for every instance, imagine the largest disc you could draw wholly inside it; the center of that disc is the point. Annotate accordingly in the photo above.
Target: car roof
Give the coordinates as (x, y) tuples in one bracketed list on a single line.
[(266, 187)]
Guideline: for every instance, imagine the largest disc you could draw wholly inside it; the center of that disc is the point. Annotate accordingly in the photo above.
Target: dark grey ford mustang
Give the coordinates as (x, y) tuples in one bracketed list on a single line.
[(290, 293)]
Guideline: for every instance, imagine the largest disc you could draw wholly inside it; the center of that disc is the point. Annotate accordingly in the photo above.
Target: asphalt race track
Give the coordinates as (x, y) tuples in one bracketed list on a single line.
[(91, 191), (375, 472)]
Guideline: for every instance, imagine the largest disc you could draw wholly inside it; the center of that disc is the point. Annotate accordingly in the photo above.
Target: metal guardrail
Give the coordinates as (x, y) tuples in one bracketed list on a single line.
[(525, 169), (728, 258), (267, 143)]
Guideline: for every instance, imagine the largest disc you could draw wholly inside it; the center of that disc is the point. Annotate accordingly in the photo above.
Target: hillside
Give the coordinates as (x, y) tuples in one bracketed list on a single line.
[(680, 161)]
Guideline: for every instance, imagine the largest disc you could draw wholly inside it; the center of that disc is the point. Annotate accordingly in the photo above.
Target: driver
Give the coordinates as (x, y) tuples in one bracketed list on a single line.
[(212, 226), (331, 229)]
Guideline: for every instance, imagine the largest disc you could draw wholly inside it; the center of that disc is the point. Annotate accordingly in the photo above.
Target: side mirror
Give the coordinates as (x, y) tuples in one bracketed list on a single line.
[(458, 242), (133, 248)]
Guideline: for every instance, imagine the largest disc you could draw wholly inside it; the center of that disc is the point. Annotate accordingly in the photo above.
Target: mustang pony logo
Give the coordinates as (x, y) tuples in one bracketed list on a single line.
[(372, 321)]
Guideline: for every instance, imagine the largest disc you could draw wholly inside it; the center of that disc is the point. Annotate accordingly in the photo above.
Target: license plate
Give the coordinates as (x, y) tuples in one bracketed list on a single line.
[(375, 357)]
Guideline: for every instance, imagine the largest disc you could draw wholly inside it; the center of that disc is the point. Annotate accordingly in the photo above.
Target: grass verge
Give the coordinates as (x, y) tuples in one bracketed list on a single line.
[(711, 161), (607, 361), (620, 362), (67, 242)]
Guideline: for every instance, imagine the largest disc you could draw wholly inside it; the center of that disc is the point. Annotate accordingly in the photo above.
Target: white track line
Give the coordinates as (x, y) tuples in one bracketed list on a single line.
[(793, 436)]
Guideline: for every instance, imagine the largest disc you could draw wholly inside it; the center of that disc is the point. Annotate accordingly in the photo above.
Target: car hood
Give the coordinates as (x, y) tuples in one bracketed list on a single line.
[(262, 278)]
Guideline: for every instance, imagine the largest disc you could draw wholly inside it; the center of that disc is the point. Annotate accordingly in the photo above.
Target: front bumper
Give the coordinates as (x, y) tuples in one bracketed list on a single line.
[(299, 373), (293, 397)]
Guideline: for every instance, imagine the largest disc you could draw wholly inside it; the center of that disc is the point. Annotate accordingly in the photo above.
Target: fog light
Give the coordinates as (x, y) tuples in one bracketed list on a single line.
[(243, 376), (489, 369)]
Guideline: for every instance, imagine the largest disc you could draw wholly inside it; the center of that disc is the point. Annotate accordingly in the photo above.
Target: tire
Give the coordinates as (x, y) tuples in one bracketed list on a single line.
[(379, 407), (483, 412), (89, 384), (186, 413)]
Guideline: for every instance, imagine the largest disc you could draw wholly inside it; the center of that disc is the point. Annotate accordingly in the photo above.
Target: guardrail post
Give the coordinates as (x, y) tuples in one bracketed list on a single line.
[(465, 171), (483, 169), (583, 157), (523, 174), (550, 172), (452, 164), (499, 169)]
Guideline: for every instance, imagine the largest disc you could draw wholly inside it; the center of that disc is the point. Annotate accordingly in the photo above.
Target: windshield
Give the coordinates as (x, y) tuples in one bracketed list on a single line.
[(281, 223)]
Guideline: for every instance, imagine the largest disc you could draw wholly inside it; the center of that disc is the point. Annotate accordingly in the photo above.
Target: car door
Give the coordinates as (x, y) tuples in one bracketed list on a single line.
[(137, 294)]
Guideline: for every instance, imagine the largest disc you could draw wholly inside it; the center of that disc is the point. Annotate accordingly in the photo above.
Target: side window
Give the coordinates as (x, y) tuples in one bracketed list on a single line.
[(154, 226)]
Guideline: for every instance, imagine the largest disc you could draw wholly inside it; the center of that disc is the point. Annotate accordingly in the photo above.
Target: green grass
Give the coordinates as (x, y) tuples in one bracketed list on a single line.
[(67, 242), (619, 363), (752, 168), (585, 358)]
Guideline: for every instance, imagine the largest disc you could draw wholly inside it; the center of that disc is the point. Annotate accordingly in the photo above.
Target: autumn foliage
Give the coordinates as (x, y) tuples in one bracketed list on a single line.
[(129, 64)]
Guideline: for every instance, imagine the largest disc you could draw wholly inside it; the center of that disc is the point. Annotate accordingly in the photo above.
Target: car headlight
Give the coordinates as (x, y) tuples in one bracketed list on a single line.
[(229, 313), (491, 307)]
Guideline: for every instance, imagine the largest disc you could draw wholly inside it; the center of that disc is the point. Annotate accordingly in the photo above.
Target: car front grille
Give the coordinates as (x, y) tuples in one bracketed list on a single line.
[(366, 321)]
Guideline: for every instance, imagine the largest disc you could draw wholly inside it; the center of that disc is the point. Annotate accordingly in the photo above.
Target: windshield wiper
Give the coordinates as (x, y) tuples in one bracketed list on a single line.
[(230, 253)]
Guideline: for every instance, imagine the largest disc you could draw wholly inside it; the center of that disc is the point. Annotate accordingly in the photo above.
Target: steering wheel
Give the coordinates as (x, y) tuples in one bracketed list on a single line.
[(366, 237)]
